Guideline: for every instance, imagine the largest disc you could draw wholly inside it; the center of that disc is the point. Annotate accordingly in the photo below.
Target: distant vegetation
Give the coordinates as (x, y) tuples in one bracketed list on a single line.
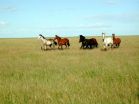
[(29, 75)]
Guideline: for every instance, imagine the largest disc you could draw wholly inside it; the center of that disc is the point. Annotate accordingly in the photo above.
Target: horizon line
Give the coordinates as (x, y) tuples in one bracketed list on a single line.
[(61, 36)]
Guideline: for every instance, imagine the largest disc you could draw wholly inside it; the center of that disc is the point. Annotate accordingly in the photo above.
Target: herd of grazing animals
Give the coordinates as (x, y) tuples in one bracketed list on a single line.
[(107, 42)]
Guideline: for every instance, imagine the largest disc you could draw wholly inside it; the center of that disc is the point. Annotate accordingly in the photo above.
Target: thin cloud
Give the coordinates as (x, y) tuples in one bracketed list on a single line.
[(3, 23), (8, 8), (121, 17), (82, 27), (95, 26), (111, 2)]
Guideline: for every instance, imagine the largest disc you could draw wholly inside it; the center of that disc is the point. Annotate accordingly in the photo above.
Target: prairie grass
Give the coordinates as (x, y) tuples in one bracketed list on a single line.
[(70, 76)]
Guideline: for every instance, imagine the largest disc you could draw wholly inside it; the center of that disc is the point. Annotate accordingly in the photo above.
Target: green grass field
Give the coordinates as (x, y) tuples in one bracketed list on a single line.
[(70, 76)]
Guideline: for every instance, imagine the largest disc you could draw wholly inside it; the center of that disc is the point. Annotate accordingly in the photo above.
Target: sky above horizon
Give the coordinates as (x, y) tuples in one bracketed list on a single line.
[(28, 18)]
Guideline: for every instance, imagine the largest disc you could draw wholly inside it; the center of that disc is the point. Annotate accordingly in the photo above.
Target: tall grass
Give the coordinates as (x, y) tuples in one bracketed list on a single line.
[(70, 76)]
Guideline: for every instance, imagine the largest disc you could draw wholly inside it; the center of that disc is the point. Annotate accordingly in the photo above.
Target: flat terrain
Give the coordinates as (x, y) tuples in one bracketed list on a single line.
[(70, 76)]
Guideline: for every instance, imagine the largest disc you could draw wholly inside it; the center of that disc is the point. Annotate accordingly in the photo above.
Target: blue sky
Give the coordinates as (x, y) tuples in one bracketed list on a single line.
[(28, 18)]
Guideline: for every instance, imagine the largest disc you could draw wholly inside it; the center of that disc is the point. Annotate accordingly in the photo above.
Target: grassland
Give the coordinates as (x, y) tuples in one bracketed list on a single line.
[(70, 76)]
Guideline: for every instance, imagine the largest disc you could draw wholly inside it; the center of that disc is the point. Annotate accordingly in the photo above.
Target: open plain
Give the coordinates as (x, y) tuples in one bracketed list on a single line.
[(29, 75)]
